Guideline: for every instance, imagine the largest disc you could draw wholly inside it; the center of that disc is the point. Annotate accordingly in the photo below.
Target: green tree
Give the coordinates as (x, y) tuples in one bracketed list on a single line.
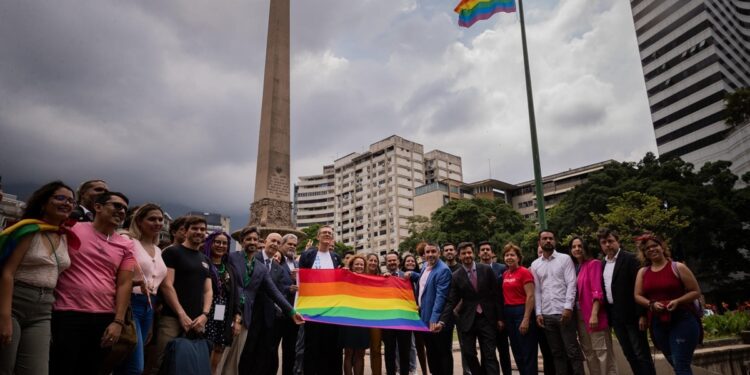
[(470, 220), (737, 105), (311, 234), (718, 232)]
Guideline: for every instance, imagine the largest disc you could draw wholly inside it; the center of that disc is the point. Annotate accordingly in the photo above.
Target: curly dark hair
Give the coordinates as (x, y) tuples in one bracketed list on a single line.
[(39, 198)]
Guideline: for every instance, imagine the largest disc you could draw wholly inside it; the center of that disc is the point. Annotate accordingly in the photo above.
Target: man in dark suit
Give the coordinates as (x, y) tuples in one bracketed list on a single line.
[(480, 315), (323, 354), (434, 285), (87, 194), (486, 256), (251, 352), (627, 318), (288, 330), (275, 319)]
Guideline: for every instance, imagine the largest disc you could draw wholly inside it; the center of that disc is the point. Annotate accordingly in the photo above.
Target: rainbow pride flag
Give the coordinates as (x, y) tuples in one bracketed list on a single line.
[(471, 11), (11, 236), (346, 298)]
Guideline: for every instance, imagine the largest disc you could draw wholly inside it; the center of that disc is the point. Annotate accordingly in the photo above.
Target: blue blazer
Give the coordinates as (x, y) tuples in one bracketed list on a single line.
[(307, 259), (435, 293), (260, 281)]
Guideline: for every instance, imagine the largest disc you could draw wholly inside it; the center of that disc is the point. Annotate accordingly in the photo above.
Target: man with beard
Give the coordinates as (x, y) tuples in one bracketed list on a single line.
[(486, 256), (273, 316), (480, 315), (187, 289), (555, 293), (434, 286), (323, 354), (87, 194), (450, 256), (92, 295), (251, 351)]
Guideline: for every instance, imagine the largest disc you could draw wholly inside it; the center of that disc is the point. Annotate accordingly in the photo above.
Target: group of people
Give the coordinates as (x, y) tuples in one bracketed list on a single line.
[(80, 263)]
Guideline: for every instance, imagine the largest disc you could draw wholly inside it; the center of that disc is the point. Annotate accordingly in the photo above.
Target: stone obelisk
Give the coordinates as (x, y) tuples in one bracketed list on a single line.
[(271, 209)]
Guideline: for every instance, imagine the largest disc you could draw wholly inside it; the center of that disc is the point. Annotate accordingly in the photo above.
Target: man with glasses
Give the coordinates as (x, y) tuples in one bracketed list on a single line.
[(87, 194), (187, 289), (322, 349), (92, 295)]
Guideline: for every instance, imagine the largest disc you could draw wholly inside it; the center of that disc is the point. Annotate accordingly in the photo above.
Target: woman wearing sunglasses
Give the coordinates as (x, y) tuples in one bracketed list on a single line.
[(32, 255)]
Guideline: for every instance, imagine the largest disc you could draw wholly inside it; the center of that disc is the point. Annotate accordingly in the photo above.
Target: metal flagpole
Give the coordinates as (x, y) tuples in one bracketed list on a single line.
[(532, 125)]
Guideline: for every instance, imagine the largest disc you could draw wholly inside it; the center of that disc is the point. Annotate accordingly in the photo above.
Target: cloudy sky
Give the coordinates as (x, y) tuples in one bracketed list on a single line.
[(162, 98)]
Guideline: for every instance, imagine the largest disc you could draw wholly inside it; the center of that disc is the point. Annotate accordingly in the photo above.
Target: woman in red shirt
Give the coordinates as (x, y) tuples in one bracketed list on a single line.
[(518, 292), (668, 289)]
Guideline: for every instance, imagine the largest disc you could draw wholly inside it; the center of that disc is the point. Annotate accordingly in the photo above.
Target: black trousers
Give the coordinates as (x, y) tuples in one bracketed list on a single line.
[(503, 351), (439, 350), (323, 355), (76, 342), (257, 355), (400, 340), (285, 333), (484, 331)]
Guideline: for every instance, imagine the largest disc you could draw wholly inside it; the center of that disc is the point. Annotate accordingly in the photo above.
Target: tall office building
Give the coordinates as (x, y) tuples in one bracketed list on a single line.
[(369, 196), (693, 53)]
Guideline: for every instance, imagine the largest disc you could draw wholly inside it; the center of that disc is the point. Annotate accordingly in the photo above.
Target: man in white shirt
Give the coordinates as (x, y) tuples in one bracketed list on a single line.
[(555, 292)]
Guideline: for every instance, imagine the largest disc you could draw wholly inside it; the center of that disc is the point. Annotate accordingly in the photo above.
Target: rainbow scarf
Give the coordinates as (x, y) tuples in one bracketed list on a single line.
[(11, 235), (346, 298), (471, 11)]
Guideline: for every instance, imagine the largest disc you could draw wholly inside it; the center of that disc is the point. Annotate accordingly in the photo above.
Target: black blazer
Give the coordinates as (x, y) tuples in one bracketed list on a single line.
[(260, 282), (288, 293), (282, 280), (485, 295), (624, 309), (307, 259)]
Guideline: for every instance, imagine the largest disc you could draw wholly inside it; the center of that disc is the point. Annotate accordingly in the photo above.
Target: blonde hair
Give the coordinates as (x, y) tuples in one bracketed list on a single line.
[(138, 217)]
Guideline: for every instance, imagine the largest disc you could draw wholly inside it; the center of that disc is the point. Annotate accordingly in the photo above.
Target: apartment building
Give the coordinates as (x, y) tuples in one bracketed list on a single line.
[(694, 52)]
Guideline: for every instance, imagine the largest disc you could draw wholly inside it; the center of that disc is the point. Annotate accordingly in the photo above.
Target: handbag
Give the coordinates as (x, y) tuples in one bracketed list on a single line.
[(124, 346)]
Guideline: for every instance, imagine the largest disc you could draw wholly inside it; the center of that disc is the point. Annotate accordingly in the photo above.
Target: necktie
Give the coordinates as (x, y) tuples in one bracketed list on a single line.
[(473, 278), (268, 263)]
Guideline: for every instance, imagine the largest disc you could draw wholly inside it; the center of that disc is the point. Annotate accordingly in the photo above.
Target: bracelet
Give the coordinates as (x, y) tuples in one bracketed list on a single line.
[(120, 322), (205, 314), (651, 305)]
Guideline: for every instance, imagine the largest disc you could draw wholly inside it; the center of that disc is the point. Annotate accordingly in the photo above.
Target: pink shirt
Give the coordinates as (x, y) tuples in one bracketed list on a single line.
[(90, 283), (153, 269), (590, 290)]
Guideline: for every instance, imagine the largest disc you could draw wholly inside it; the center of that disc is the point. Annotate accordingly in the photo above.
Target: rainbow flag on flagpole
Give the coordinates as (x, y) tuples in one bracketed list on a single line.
[(471, 11), (346, 298)]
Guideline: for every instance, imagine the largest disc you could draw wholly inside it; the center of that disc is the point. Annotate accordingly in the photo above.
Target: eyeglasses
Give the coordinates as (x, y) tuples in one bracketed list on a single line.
[(118, 206), (64, 199)]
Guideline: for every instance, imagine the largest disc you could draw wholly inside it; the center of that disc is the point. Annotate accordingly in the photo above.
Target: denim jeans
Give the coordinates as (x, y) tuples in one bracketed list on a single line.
[(31, 314), (524, 347), (677, 339), (143, 316)]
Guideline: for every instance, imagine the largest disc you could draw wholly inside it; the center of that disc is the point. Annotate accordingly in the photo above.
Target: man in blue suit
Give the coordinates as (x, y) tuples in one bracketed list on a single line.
[(434, 285)]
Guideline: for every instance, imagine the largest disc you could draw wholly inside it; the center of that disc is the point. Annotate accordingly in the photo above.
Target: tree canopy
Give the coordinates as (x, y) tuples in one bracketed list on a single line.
[(705, 221), (737, 105)]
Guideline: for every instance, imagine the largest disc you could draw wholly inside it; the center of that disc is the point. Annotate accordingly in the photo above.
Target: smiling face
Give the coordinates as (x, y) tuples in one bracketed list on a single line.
[(325, 237), (112, 213), (467, 256), (273, 244), (391, 262), (358, 265), (250, 242), (220, 246), (410, 263), (58, 206), (195, 235), (373, 264), (511, 259), (653, 251)]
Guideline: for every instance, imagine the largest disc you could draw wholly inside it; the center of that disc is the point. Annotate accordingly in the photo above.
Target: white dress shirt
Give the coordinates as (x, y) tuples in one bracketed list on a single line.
[(554, 283), (609, 271), (423, 282)]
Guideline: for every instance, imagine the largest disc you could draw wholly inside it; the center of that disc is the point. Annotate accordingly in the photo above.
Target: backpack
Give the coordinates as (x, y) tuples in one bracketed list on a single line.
[(184, 356)]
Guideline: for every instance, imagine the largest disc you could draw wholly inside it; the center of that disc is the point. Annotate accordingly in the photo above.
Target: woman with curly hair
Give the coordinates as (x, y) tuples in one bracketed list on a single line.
[(33, 253), (669, 290)]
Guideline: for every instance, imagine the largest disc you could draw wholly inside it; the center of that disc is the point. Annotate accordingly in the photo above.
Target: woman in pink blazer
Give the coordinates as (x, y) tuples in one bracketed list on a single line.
[(593, 330)]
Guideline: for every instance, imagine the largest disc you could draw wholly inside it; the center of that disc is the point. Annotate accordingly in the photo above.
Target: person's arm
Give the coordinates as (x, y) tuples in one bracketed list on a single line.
[(528, 308), (199, 323), (278, 298), (537, 298), (570, 291), (692, 289), (442, 288), (594, 280), (122, 301), (6, 288), (170, 297), (638, 292)]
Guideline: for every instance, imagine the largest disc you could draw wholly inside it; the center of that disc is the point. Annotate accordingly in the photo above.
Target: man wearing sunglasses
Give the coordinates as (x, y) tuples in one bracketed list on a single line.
[(92, 295)]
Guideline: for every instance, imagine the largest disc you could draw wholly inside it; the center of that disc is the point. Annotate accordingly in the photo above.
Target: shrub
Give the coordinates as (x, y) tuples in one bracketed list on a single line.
[(729, 324)]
